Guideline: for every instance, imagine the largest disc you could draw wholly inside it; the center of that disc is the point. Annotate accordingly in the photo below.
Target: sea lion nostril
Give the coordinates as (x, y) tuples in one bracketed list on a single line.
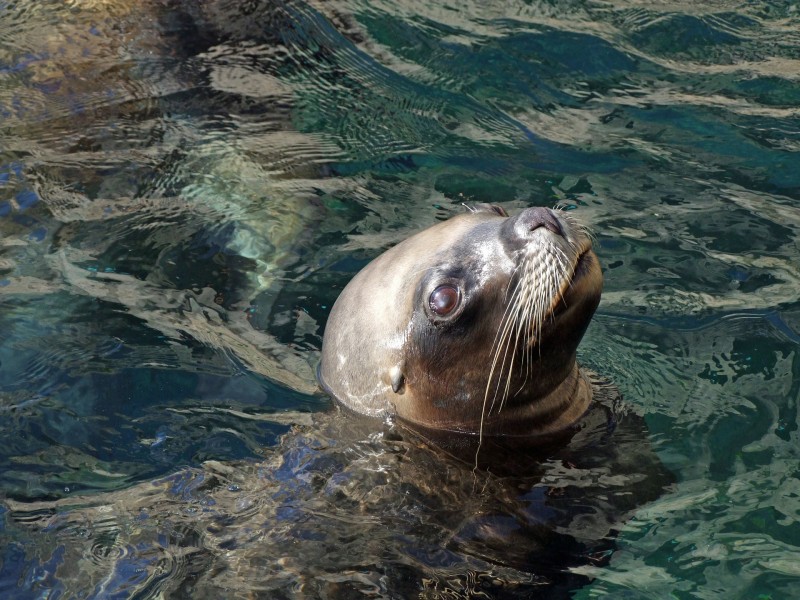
[(533, 218)]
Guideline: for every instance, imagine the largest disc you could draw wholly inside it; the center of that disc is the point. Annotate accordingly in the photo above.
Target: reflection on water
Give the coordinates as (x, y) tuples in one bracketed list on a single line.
[(322, 516), (186, 186)]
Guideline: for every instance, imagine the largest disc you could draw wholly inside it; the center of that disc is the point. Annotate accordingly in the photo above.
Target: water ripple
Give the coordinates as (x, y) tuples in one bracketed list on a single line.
[(185, 187)]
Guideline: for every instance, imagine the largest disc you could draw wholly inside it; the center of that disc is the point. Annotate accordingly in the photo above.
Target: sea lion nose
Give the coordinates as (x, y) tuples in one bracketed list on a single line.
[(531, 219)]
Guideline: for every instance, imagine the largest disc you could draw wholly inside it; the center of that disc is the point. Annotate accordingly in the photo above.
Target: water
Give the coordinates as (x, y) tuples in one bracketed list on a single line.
[(185, 187)]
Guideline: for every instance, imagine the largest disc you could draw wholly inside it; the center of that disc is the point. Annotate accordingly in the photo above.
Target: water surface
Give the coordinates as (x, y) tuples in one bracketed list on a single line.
[(186, 186)]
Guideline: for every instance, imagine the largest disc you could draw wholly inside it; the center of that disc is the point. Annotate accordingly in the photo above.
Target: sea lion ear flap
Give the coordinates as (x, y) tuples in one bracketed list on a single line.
[(397, 379), (485, 207)]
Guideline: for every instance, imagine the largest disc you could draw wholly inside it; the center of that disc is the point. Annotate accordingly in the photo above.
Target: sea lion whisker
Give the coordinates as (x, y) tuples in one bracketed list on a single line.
[(496, 352), (566, 277), (501, 359), (580, 227), (531, 328), (525, 325), (529, 314), (514, 346), (513, 277), (560, 256), (500, 341), (509, 306), (521, 258), (504, 346), (511, 321), (515, 323)]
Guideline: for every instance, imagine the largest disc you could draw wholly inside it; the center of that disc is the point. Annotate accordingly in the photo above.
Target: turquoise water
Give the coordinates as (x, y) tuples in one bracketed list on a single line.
[(186, 186)]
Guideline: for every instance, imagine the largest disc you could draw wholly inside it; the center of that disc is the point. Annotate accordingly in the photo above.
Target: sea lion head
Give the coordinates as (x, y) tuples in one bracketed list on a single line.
[(471, 325)]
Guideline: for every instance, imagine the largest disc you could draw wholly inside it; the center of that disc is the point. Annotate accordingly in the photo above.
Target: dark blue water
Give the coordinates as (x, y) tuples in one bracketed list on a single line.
[(186, 186)]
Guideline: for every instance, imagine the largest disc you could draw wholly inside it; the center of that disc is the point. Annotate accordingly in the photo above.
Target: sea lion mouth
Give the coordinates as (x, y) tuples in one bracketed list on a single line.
[(580, 270)]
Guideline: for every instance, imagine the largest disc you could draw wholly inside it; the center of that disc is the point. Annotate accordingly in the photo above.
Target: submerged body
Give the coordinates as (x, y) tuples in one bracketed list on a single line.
[(469, 326)]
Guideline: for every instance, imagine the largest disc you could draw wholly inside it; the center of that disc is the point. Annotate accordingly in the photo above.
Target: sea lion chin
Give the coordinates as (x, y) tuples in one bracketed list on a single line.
[(469, 326)]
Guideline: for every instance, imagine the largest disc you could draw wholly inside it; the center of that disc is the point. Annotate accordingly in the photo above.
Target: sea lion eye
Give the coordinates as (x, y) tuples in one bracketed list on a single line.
[(444, 299)]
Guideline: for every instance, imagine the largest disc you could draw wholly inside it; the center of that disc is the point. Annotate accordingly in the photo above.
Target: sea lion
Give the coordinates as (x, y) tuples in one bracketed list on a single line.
[(469, 326)]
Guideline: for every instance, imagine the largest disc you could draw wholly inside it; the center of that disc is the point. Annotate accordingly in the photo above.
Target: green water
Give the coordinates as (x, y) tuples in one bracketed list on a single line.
[(185, 187)]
